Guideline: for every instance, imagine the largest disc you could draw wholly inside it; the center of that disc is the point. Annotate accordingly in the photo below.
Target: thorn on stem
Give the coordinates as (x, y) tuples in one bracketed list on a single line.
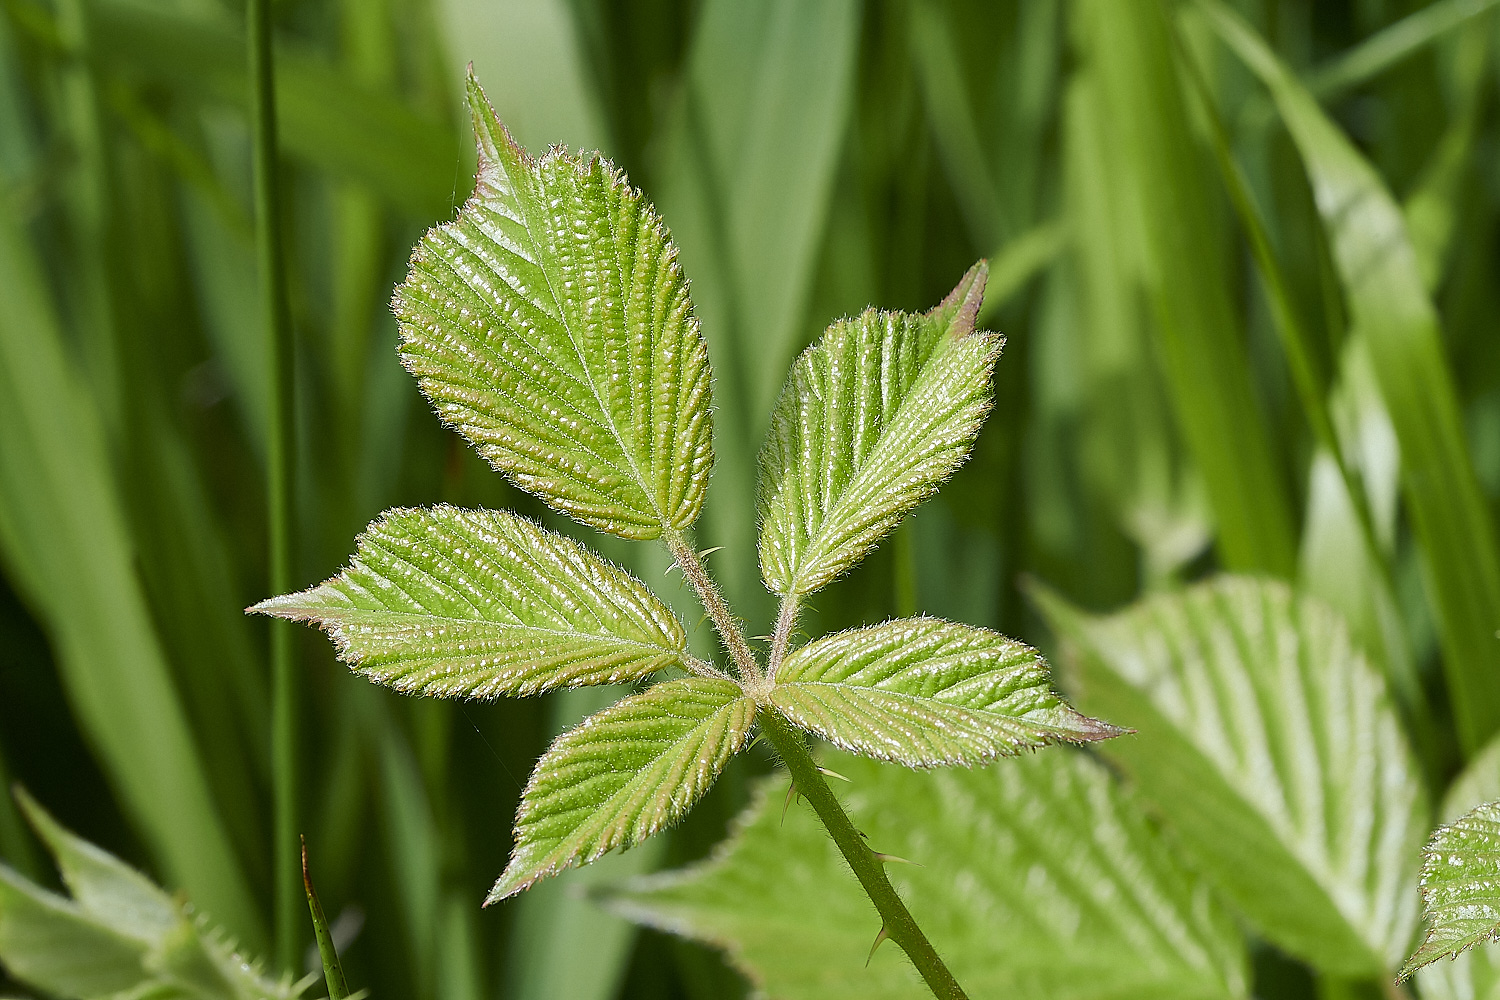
[(878, 938), (835, 774), (790, 791), (708, 552), (891, 859)]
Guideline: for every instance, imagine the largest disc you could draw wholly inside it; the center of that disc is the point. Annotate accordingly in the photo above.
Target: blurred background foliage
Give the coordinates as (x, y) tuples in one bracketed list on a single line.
[(1193, 380)]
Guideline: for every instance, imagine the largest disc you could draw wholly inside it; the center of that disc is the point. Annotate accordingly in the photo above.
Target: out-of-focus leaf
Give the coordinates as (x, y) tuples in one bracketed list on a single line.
[(550, 324), (924, 693), (1041, 880), (1460, 870), (66, 544), (873, 418), (1271, 746), (119, 936), (1390, 309), (481, 603), (1019, 261), (623, 775), (1128, 48)]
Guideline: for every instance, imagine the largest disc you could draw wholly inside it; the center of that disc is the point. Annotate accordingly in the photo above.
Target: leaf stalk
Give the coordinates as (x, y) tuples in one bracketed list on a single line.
[(730, 633), (899, 924)]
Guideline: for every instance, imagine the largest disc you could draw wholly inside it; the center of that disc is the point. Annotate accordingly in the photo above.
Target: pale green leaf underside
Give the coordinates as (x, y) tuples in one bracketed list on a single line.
[(1460, 886), (624, 774), (480, 603), (1272, 747), (550, 324), (926, 693), (1041, 881), (872, 419)]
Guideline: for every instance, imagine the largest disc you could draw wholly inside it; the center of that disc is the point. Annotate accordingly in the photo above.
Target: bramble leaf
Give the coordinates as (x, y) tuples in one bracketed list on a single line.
[(1041, 880), (550, 324), (1460, 873), (872, 419), (925, 693), (119, 935), (479, 603), (624, 774), (1272, 747)]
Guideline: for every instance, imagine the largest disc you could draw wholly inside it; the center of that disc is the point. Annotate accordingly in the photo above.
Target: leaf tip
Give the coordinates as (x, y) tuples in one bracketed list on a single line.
[(965, 299)]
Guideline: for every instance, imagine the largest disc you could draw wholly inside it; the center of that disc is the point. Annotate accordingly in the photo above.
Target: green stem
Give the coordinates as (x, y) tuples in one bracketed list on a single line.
[(333, 971), (899, 924), (280, 445)]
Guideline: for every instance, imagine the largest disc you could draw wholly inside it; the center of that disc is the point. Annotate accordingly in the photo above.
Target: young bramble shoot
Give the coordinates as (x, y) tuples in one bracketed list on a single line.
[(550, 324)]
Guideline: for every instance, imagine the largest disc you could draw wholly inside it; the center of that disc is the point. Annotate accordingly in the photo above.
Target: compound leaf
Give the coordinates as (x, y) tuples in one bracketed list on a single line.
[(872, 419), (1042, 880), (925, 693), (624, 774), (550, 324), (1271, 745), (481, 603), (1460, 875)]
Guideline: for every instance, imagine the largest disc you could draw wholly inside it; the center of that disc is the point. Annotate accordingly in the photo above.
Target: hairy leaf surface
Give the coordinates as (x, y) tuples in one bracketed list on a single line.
[(1473, 974), (872, 419), (550, 324), (1460, 886), (624, 774), (1272, 747), (480, 603), (1042, 879), (925, 693)]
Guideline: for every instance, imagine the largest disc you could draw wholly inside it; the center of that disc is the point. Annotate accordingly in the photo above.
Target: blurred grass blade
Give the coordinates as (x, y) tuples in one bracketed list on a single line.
[(333, 971), (1017, 262), (68, 549), (950, 116), (1391, 45), (324, 118), (746, 172), (1128, 45), (1390, 309)]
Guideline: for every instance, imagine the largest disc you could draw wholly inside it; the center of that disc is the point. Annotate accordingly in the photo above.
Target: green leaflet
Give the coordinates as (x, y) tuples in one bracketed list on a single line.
[(927, 693), (624, 774), (873, 418), (1270, 744), (1390, 308), (1473, 974), (118, 935), (1460, 872), (1042, 880), (550, 324), (478, 603)]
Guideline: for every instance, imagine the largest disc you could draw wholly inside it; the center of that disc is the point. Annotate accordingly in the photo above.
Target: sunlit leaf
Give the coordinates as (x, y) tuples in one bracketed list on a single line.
[(924, 692), (1460, 873), (624, 774), (873, 418), (1271, 746), (482, 603), (550, 324), (1040, 879)]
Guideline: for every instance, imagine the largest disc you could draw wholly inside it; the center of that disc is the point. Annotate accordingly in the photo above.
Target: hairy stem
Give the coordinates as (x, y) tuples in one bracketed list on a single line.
[(277, 317), (730, 633), (899, 924), (786, 620)]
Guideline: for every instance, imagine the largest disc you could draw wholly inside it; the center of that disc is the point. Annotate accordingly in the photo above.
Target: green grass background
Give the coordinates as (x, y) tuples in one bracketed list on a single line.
[(1194, 353)]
